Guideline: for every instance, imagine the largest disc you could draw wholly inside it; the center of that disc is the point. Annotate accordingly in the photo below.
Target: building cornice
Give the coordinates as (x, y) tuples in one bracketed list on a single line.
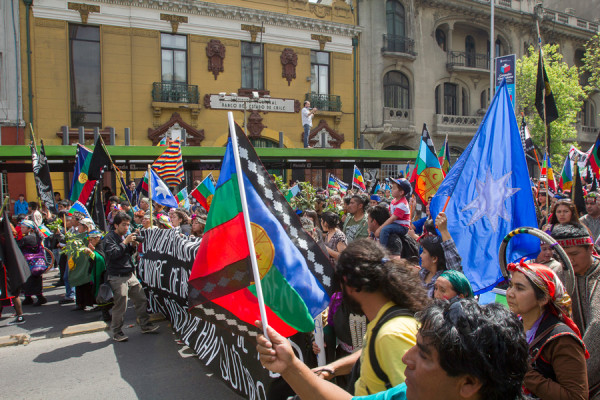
[(225, 11), (516, 17)]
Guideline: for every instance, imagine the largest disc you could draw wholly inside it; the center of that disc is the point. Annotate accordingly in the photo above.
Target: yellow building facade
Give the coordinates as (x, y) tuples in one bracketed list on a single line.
[(148, 65)]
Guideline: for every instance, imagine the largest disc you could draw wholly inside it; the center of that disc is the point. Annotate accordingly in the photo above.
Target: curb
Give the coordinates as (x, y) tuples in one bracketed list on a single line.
[(14, 340), (96, 326), (81, 329)]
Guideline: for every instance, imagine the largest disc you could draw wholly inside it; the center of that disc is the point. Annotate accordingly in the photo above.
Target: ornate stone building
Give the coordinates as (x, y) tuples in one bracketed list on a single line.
[(427, 61), (160, 67)]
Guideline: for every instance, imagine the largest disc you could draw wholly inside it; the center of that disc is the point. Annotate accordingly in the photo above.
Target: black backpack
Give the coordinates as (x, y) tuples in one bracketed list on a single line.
[(388, 315)]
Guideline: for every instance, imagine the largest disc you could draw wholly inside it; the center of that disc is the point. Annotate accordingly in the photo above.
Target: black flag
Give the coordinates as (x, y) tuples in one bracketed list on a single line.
[(577, 192), (542, 89), (98, 212), (17, 269), (100, 160), (41, 172)]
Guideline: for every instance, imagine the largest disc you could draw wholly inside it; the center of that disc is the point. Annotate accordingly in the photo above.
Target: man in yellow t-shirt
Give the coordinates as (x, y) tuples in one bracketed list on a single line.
[(399, 334), (372, 284)]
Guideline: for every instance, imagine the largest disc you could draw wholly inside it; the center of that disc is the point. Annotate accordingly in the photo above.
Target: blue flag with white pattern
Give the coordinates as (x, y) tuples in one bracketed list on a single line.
[(490, 195)]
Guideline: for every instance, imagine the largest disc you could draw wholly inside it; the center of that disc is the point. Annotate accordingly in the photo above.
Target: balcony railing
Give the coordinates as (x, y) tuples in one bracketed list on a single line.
[(398, 117), (456, 125), (468, 60), (324, 102), (398, 44), (173, 92)]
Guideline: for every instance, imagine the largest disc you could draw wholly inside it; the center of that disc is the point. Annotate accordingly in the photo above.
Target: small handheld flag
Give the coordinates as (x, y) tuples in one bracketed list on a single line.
[(204, 192), (357, 180)]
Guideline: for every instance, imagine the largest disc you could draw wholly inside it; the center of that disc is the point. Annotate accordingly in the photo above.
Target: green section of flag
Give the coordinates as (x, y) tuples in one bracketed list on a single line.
[(226, 204), (284, 301)]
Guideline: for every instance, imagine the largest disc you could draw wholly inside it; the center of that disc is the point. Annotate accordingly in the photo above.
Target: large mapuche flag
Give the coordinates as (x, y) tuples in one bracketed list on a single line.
[(296, 275)]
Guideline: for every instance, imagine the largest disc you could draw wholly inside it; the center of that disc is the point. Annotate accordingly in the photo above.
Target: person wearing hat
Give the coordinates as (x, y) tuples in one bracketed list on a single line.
[(557, 352), (399, 221), (33, 250), (79, 268), (374, 200), (585, 293), (164, 222), (452, 284)]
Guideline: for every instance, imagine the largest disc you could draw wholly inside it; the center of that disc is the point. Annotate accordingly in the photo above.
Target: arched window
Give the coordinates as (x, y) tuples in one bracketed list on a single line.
[(483, 99), (396, 90), (588, 114), (450, 98), (440, 38), (498, 49), (396, 26), (469, 51), (448, 102)]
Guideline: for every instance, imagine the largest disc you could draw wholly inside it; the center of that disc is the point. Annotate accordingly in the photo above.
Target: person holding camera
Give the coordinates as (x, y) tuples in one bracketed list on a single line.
[(119, 250)]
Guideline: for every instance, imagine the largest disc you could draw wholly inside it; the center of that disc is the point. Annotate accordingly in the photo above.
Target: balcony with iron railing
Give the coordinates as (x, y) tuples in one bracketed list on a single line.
[(324, 102), (398, 46), (175, 92), (463, 61)]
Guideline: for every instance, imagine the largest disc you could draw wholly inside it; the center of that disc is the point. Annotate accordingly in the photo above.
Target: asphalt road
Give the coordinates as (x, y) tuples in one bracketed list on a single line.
[(93, 366)]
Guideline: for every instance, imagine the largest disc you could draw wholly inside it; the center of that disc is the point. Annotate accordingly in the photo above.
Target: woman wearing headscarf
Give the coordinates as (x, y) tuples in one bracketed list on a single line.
[(557, 353), (452, 285), (33, 250)]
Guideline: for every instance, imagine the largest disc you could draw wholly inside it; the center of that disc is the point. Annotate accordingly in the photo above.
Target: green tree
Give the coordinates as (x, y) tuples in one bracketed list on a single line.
[(568, 94), (591, 63)]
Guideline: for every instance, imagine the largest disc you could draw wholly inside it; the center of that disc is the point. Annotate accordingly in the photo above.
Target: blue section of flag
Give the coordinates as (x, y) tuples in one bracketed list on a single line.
[(294, 190), (490, 195), (160, 191)]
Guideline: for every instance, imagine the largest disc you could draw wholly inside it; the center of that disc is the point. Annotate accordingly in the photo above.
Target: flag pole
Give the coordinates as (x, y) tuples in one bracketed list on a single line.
[(541, 55), (4, 202), (149, 192), (240, 174), (115, 169)]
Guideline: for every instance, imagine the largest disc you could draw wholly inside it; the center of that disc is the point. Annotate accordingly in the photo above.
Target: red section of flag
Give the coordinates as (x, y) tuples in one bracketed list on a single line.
[(230, 238), (244, 305)]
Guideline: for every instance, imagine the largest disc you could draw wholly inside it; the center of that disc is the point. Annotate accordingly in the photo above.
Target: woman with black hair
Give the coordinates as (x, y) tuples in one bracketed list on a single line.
[(31, 247), (439, 254), (334, 238), (557, 353)]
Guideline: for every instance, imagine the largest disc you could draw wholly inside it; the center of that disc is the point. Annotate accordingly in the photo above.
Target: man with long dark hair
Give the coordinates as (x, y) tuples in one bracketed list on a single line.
[(463, 351), (389, 293)]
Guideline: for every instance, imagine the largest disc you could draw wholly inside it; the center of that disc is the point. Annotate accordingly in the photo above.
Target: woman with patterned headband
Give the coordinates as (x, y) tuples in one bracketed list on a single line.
[(557, 352)]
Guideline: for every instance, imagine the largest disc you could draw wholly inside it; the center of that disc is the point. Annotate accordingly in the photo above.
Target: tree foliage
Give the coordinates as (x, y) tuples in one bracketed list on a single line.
[(568, 94), (591, 62)]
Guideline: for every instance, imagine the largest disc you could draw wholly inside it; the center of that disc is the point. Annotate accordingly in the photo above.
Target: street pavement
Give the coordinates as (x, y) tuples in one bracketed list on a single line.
[(92, 365)]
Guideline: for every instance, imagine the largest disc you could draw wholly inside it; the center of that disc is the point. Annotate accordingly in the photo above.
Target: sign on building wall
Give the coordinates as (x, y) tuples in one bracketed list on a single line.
[(505, 69), (240, 103)]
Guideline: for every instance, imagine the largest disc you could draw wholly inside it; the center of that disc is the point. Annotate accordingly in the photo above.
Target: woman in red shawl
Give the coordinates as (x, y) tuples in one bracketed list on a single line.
[(557, 353)]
